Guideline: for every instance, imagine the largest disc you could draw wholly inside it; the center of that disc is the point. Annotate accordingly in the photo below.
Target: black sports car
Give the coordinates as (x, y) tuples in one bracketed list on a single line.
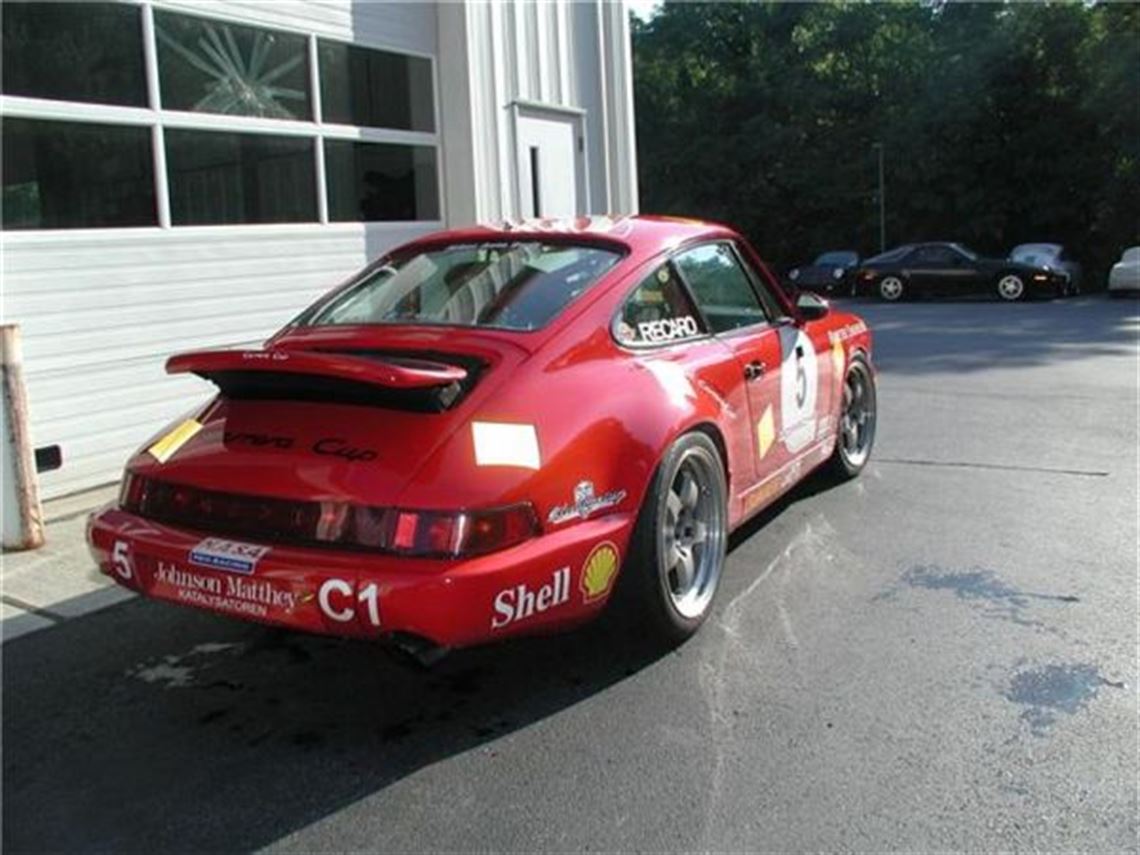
[(1050, 256), (950, 269), (830, 273)]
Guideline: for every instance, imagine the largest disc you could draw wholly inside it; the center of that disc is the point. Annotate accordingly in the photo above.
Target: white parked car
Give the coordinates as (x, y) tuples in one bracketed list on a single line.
[(1125, 274)]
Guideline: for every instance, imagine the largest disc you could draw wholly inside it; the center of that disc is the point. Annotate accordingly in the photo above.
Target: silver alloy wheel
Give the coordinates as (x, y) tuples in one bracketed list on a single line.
[(691, 534), (891, 288), (1010, 287), (857, 422)]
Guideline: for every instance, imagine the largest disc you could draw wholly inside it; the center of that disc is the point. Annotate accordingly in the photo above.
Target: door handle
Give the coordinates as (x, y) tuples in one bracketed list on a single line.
[(754, 370)]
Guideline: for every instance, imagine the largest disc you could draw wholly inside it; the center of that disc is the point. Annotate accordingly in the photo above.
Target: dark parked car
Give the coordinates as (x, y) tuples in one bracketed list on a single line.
[(830, 273), (1050, 256), (950, 269)]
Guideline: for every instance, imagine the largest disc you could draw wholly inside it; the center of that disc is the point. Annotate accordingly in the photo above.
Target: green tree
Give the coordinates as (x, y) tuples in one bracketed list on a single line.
[(1001, 123)]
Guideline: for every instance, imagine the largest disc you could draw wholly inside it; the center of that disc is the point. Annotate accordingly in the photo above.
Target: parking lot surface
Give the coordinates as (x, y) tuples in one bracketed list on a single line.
[(938, 655)]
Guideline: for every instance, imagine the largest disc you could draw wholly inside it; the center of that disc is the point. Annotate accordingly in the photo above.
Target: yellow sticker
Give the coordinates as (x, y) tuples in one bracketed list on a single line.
[(838, 357), (766, 431), (164, 449), (599, 571)]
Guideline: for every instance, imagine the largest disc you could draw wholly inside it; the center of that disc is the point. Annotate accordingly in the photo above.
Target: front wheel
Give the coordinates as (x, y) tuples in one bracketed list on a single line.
[(1011, 287), (891, 288), (856, 421), (678, 548)]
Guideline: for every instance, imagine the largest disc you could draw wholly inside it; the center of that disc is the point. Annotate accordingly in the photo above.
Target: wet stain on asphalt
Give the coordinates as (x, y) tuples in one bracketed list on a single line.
[(980, 587), (1050, 690)]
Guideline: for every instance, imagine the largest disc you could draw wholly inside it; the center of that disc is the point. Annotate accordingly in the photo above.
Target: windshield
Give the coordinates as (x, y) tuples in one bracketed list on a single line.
[(837, 259), (1034, 253), (966, 251), (509, 285), (891, 254)]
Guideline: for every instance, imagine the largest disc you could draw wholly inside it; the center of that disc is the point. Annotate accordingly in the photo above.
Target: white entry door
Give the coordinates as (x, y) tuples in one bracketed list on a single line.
[(548, 165)]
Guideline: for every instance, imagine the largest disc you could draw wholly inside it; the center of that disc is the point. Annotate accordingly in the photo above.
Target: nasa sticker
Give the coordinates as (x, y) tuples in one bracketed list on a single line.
[(799, 389)]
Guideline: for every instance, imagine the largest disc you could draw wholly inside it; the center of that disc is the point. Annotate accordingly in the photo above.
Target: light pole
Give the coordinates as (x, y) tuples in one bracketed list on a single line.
[(882, 201)]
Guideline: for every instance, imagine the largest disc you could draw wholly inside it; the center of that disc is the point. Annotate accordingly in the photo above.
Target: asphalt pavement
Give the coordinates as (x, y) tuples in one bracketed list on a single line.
[(940, 655)]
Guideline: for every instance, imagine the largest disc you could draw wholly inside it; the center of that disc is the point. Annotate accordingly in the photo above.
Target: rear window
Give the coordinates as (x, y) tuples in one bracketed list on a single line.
[(518, 285), (890, 255), (838, 259)]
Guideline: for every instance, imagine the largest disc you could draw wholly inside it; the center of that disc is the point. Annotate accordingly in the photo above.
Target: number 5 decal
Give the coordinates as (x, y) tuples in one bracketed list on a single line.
[(799, 387), (121, 560)]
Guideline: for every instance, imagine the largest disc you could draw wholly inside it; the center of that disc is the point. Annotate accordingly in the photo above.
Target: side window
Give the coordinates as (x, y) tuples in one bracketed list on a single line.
[(761, 285), (933, 255), (721, 287), (658, 311)]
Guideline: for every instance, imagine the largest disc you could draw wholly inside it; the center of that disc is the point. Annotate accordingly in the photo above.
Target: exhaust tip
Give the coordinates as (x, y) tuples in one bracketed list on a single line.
[(418, 650)]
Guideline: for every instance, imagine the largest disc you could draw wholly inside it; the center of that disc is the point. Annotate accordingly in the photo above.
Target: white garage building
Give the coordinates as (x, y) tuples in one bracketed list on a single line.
[(182, 173)]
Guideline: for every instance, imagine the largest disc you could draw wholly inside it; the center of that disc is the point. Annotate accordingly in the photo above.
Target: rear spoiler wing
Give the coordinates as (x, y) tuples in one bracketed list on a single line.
[(390, 372), (378, 379)]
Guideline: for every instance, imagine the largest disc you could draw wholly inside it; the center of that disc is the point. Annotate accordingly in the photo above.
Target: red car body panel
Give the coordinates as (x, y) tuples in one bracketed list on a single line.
[(602, 413)]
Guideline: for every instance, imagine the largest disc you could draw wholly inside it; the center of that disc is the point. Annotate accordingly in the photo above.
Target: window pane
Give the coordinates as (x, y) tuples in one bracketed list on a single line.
[(517, 285), (74, 52), (375, 88), (216, 67), (67, 175), (659, 311), (380, 181), (239, 178), (721, 287)]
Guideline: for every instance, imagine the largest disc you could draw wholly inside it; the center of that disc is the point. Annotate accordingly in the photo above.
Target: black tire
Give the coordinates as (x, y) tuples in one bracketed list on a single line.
[(851, 455), (891, 288), (649, 588)]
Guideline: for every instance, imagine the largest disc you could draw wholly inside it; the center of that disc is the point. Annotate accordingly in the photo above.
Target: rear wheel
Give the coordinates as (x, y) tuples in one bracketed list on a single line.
[(856, 421), (678, 549), (1010, 287), (891, 288)]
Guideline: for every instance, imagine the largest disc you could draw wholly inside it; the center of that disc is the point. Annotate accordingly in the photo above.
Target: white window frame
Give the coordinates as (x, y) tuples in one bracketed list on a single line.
[(158, 119)]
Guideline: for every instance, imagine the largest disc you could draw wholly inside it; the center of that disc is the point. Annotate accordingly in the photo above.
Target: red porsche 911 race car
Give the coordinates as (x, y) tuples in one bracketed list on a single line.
[(496, 431)]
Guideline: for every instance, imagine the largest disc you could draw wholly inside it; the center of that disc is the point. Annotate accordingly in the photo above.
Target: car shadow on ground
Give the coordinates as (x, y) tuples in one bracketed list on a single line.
[(937, 336), (202, 733), (205, 733)]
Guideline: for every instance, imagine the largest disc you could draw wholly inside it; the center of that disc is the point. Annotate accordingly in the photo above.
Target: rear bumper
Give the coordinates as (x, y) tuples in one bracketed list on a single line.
[(534, 587)]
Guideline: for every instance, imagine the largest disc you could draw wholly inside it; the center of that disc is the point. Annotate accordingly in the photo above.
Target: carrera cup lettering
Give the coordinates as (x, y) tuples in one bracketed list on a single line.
[(668, 329), (335, 447), (520, 602), (257, 440)]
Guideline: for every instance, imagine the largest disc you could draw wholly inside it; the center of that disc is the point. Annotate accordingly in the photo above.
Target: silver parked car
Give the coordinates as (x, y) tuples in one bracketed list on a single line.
[(1125, 274), (1052, 257)]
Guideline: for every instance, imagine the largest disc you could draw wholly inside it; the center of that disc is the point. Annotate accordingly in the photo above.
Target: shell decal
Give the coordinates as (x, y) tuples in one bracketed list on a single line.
[(599, 572)]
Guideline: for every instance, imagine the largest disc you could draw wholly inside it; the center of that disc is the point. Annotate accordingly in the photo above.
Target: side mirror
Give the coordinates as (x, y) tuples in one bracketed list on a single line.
[(811, 306)]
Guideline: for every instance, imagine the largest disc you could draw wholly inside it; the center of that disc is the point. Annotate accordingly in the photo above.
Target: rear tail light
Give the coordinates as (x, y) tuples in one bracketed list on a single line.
[(464, 533), (435, 534)]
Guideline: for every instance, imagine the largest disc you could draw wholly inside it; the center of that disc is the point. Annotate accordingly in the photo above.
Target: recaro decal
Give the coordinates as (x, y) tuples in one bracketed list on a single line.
[(668, 329)]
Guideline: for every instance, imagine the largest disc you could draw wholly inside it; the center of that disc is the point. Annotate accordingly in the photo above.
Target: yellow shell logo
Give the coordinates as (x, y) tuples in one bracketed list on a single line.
[(599, 571)]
